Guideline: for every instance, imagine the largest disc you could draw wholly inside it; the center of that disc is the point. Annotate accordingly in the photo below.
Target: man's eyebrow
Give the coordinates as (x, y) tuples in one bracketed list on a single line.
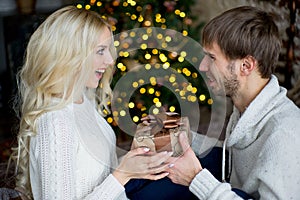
[(208, 54)]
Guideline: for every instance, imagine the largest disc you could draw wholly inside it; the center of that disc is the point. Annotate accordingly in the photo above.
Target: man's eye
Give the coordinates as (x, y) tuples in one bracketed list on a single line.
[(212, 57)]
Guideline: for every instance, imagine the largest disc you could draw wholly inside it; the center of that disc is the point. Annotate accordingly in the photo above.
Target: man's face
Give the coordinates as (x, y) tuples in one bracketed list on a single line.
[(221, 73)]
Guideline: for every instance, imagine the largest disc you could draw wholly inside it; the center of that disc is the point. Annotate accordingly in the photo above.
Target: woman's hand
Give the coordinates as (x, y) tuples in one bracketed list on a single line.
[(141, 163)]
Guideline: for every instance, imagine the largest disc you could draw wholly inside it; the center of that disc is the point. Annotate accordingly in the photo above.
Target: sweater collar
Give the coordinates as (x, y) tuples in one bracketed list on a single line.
[(244, 129)]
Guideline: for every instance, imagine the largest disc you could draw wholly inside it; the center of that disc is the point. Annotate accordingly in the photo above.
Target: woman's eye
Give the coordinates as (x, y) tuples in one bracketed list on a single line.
[(100, 51)]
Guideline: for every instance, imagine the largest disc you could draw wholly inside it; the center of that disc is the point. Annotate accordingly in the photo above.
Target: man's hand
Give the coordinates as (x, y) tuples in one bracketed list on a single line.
[(183, 169)]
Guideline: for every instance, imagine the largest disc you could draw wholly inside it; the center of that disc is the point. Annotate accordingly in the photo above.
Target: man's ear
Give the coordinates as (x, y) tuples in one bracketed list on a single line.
[(248, 65)]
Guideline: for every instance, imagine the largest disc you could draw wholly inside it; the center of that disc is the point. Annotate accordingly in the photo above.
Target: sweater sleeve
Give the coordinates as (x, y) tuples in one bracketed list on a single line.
[(206, 186), (53, 162)]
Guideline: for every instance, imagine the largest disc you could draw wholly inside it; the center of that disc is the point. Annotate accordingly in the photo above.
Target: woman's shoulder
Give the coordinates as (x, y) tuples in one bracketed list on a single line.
[(53, 116)]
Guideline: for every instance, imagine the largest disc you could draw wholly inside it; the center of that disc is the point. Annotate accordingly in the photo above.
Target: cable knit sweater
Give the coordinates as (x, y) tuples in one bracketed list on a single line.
[(265, 146), (72, 155)]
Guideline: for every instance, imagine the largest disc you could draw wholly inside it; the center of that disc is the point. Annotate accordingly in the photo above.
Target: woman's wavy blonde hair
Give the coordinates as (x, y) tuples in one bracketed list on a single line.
[(57, 64)]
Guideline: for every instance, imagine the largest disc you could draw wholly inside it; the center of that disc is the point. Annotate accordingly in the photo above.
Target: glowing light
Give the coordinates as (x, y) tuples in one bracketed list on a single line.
[(155, 111), (126, 54), (123, 68), (145, 37), (135, 118), (142, 90), (157, 93), (141, 18), (154, 51), (168, 38), (180, 59), (139, 8), (99, 3), (151, 90), (182, 93), (194, 59), (133, 3), (172, 109), (119, 100), (147, 56), (177, 12), (120, 65), (123, 94), (143, 109), (132, 34), (152, 79), (192, 98), (116, 3), (105, 111), (149, 30), (125, 45), (189, 88), (133, 17), (172, 79), (202, 97), (210, 101), (115, 113), (158, 104), (79, 6), (194, 75), (135, 84), (184, 33), (166, 65), (183, 54), (141, 81), (116, 43), (147, 66), (159, 36), (122, 113), (131, 105), (110, 120), (164, 45), (125, 4), (182, 14), (194, 90), (155, 100), (143, 46), (147, 23), (87, 7), (163, 57)]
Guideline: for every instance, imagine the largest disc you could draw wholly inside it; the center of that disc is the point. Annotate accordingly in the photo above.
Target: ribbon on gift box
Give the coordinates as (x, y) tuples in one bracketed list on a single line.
[(160, 132)]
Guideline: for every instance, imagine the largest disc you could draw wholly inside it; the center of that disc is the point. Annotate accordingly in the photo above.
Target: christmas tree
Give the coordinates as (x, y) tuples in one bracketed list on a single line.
[(158, 59)]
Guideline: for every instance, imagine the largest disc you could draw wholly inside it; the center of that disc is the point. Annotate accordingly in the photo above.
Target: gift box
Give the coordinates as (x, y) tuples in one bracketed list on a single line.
[(160, 132)]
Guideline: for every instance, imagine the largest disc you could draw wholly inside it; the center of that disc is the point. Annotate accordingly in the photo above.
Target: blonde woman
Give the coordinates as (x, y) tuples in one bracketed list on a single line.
[(66, 149)]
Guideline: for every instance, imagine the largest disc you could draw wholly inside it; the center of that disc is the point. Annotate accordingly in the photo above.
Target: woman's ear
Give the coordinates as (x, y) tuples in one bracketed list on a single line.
[(248, 64)]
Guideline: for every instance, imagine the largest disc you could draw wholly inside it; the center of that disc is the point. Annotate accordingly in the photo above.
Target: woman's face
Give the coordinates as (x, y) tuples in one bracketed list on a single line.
[(102, 58)]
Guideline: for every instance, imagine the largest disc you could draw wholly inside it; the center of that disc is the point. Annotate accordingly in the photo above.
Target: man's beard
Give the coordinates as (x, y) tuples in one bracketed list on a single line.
[(231, 83)]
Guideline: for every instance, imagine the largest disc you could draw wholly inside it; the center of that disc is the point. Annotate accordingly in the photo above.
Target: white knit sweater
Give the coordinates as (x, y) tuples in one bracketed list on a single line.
[(265, 148), (72, 155)]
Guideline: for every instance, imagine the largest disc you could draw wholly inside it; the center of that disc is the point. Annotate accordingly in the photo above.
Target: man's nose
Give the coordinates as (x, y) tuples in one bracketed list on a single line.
[(203, 67)]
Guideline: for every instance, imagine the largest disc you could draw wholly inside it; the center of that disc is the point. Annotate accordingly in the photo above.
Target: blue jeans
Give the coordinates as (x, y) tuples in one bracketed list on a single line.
[(165, 189)]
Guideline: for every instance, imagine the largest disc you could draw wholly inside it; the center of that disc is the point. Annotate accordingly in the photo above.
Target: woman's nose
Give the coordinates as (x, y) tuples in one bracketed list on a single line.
[(109, 59)]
